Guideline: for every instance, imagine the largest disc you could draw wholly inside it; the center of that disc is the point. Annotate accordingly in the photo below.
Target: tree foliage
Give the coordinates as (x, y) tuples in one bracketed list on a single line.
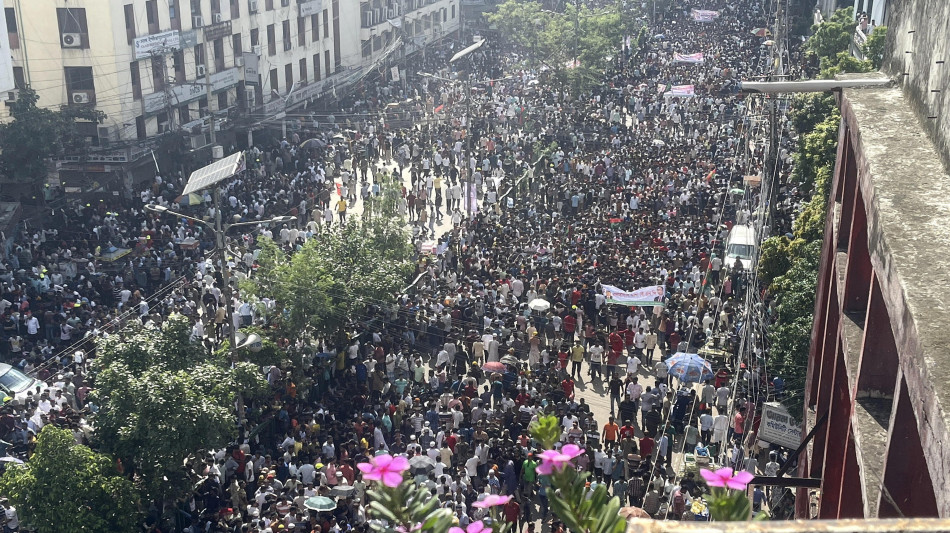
[(873, 48), (790, 335), (833, 35), (554, 40), (331, 279), (68, 488), (816, 149), (161, 397), (36, 134)]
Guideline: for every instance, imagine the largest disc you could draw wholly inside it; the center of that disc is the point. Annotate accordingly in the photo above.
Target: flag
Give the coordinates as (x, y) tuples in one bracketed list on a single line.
[(683, 90), (662, 88), (688, 58), (710, 175), (614, 222), (439, 108), (395, 73)]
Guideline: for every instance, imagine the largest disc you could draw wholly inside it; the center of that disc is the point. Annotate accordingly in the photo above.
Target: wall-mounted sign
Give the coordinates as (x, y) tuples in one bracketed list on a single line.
[(156, 44), (182, 94)]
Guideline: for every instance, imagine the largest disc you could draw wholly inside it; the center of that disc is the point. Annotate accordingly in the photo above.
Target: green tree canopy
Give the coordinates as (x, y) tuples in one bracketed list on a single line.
[(161, 398), (36, 134), (334, 276), (68, 488), (554, 40), (873, 48)]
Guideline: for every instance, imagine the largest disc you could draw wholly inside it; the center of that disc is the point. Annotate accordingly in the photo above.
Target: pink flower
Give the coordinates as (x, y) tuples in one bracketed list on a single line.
[(492, 500), (474, 527), (402, 529), (724, 478), (553, 460), (385, 468)]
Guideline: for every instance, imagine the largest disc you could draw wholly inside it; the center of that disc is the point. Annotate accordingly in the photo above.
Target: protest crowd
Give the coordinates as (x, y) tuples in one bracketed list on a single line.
[(639, 192)]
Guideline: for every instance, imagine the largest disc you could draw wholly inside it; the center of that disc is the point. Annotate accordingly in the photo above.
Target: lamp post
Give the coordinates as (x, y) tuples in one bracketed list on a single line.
[(220, 231)]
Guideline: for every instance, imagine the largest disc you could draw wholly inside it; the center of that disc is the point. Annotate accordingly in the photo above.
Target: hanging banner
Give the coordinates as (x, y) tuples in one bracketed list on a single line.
[(310, 8), (683, 90), (647, 296), (395, 73), (157, 44), (704, 15), (688, 58)]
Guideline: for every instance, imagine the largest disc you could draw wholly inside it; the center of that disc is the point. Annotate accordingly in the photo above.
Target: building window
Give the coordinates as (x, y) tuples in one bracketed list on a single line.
[(315, 26), (316, 67), (289, 76), (136, 80), (326, 23), (19, 81), (273, 81), (151, 15), (255, 37), (301, 31), (235, 9), (73, 31), (129, 22), (140, 128), (178, 62), (271, 40), (173, 14), (12, 32), (237, 46), (453, 12), (219, 55), (184, 115), (285, 26), (215, 9), (199, 54), (80, 85), (269, 5), (337, 47), (303, 71), (367, 47), (222, 100), (326, 63), (158, 73)]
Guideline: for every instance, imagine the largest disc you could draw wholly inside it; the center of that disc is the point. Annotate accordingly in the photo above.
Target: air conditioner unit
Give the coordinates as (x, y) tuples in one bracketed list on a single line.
[(163, 127), (197, 21), (106, 135), (71, 40), (200, 71), (81, 97), (256, 49), (252, 6), (218, 17), (239, 61)]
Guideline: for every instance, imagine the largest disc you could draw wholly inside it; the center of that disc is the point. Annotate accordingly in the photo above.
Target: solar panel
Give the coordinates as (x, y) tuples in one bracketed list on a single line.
[(206, 177)]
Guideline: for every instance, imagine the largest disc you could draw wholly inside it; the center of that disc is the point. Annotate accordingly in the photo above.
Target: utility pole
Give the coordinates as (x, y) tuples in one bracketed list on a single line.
[(208, 90)]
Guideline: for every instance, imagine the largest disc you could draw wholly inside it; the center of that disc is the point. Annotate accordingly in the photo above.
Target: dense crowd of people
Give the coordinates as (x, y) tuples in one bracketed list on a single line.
[(640, 190)]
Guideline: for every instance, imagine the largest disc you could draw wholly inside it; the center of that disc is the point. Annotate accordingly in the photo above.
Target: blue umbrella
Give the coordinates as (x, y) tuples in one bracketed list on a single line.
[(689, 367)]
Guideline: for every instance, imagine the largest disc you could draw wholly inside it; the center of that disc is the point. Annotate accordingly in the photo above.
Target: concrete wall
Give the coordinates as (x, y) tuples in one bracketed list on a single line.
[(929, 20)]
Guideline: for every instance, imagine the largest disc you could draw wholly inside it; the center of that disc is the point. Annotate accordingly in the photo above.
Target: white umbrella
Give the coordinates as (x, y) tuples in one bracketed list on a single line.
[(539, 304)]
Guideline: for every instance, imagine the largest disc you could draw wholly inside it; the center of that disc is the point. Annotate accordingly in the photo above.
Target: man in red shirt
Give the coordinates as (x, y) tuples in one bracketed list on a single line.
[(568, 387), (513, 513), (570, 326), (738, 424)]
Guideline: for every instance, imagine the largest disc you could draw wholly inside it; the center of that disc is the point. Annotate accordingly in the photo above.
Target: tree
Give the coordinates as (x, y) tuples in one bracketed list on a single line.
[(572, 45), (833, 35), (38, 134), (873, 48), (161, 397), (331, 280), (68, 488)]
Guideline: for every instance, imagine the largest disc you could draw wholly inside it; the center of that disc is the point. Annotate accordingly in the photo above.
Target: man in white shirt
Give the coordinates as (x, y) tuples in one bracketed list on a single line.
[(705, 426), (633, 364)]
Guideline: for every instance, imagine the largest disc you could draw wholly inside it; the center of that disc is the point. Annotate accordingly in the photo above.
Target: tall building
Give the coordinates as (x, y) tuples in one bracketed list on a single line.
[(879, 372), (158, 66)]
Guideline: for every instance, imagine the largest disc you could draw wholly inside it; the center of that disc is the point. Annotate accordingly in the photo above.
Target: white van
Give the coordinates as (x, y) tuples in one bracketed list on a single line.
[(740, 246)]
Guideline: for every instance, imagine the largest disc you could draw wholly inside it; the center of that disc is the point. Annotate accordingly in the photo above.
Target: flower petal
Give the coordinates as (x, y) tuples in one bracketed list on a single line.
[(740, 481), (365, 467), (711, 478), (399, 464), (456, 530), (475, 527), (392, 479), (382, 461), (571, 450)]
